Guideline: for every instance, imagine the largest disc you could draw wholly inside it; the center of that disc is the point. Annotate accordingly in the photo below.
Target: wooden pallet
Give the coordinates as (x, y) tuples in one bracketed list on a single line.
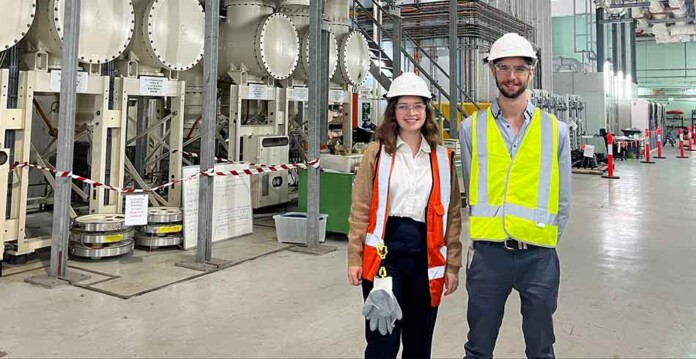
[(598, 171)]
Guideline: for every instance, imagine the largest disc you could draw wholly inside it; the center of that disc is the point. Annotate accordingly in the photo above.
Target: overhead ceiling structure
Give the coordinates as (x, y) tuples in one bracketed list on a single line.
[(668, 21), (476, 20)]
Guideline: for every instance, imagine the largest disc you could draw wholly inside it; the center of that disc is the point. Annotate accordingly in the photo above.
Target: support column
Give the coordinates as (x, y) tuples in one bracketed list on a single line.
[(632, 45), (318, 109), (208, 122), (453, 69), (396, 40), (66, 134), (600, 40)]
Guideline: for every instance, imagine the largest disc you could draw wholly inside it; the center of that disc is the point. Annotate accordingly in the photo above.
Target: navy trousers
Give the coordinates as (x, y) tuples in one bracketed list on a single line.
[(491, 275), (407, 264)]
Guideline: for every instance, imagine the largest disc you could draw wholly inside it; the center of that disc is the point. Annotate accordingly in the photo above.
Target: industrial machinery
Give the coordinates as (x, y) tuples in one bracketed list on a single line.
[(259, 48), (164, 228), (100, 236), (129, 60), (268, 188), (99, 107), (168, 41)]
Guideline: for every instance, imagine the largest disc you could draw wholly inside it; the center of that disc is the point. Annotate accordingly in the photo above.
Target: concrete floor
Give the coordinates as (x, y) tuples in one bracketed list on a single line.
[(627, 290)]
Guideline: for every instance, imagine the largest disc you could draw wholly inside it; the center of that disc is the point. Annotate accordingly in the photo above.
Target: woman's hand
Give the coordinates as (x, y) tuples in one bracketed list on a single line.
[(451, 282), (355, 275)]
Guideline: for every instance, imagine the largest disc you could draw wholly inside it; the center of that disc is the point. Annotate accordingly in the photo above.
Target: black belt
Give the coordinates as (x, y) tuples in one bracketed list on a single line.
[(510, 244)]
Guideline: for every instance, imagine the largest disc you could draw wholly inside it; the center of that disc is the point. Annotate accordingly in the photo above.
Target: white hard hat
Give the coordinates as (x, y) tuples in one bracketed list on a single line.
[(511, 45), (409, 84)]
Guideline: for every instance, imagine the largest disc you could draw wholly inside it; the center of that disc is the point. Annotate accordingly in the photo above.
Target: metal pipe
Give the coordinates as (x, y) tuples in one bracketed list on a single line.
[(397, 43), (453, 78), (623, 48), (600, 40), (317, 91), (634, 59), (66, 134), (141, 143), (207, 155), (615, 47)]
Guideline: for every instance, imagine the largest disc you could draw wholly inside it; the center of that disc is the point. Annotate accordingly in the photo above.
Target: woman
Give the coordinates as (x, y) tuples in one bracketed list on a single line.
[(405, 198)]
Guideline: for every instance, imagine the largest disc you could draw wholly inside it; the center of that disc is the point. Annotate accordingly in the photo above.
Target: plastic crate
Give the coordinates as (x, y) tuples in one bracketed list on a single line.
[(291, 227)]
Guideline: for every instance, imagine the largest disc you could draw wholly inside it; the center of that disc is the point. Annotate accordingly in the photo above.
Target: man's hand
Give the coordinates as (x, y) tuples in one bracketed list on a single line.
[(355, 275), (451, 282)]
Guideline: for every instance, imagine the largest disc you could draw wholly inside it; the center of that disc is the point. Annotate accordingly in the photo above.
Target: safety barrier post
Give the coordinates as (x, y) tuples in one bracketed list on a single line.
[(659, 143), (610, 157), (647, 147), (681, 144)]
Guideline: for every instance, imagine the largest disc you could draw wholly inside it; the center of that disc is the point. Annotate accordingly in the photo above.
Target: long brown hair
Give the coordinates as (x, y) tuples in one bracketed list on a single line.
[(388, 130)]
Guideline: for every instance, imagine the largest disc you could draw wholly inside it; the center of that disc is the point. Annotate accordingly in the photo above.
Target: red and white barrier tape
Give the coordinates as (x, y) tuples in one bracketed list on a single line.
[(256, 169), (260, 169)]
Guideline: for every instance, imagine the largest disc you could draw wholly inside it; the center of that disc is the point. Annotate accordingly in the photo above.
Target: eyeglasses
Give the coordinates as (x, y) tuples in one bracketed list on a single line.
[(507, 69), (418, 108)]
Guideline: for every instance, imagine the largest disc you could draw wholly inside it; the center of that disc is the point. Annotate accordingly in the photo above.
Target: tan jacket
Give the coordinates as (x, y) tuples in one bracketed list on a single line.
[(360, 213)]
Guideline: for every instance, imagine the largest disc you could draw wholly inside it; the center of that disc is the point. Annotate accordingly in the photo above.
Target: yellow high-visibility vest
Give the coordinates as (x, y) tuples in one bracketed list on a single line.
[(517, 198)]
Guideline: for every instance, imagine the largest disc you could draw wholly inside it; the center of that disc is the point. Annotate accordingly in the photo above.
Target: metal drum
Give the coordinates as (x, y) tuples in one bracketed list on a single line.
[(298, 12), (258, 41), (353, 49), (169, 34), (98, 236), (106, 29), (15, 22)]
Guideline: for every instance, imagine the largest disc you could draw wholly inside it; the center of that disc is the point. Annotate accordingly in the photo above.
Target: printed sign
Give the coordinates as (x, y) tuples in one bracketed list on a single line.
[(336, 96), (82, 81), (589, 151), (301, 94), (153, 86), (257, 92), (136, 209)]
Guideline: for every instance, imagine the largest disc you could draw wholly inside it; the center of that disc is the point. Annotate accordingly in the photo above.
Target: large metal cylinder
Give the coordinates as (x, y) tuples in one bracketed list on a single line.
[(15, 22), (353, 49), (169, 35), (257, 40), (106, 29), (298, 12)]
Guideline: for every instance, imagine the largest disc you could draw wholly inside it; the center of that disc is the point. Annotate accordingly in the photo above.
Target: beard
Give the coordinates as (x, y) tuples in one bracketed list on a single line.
[(512, 94)]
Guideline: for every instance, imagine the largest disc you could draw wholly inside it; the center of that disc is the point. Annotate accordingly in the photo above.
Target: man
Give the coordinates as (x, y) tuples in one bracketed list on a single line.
[(516, 166)]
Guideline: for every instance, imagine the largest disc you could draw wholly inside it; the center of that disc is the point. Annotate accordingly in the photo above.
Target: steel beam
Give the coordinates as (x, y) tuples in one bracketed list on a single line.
[(453, 69), (66, 134), (207, 155)]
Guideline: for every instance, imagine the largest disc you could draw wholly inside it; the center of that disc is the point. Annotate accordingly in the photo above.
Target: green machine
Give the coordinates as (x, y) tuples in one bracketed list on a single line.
[(336, 193)]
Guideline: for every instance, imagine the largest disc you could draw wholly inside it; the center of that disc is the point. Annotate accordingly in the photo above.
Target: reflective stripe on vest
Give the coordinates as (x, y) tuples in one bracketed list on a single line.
[(436, 218), (515, 198)]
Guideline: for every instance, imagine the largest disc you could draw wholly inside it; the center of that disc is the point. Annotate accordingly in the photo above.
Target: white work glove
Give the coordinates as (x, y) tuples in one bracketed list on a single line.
[(381, 307)]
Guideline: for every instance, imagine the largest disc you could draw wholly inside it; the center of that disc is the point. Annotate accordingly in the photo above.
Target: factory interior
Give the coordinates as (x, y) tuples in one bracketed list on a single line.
[(179, 174)]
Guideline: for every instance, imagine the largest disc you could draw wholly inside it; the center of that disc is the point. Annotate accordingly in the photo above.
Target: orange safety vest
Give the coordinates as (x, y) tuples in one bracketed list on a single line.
[(436, 218)]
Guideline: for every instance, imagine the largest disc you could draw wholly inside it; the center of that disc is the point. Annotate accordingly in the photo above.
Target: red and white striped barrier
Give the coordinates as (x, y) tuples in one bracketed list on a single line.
[(252, 170), (659, 143), (647, 147), (610, 157), (681, 144)]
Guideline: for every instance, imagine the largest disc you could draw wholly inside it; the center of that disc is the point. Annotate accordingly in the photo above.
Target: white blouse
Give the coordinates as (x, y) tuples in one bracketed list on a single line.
[(411, 181)]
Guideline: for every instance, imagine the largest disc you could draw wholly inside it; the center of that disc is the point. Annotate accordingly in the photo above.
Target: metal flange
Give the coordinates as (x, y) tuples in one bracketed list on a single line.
[(114, 250), (156, 241), (164, 215), (101, 223), (162, 228), (83, 237)]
